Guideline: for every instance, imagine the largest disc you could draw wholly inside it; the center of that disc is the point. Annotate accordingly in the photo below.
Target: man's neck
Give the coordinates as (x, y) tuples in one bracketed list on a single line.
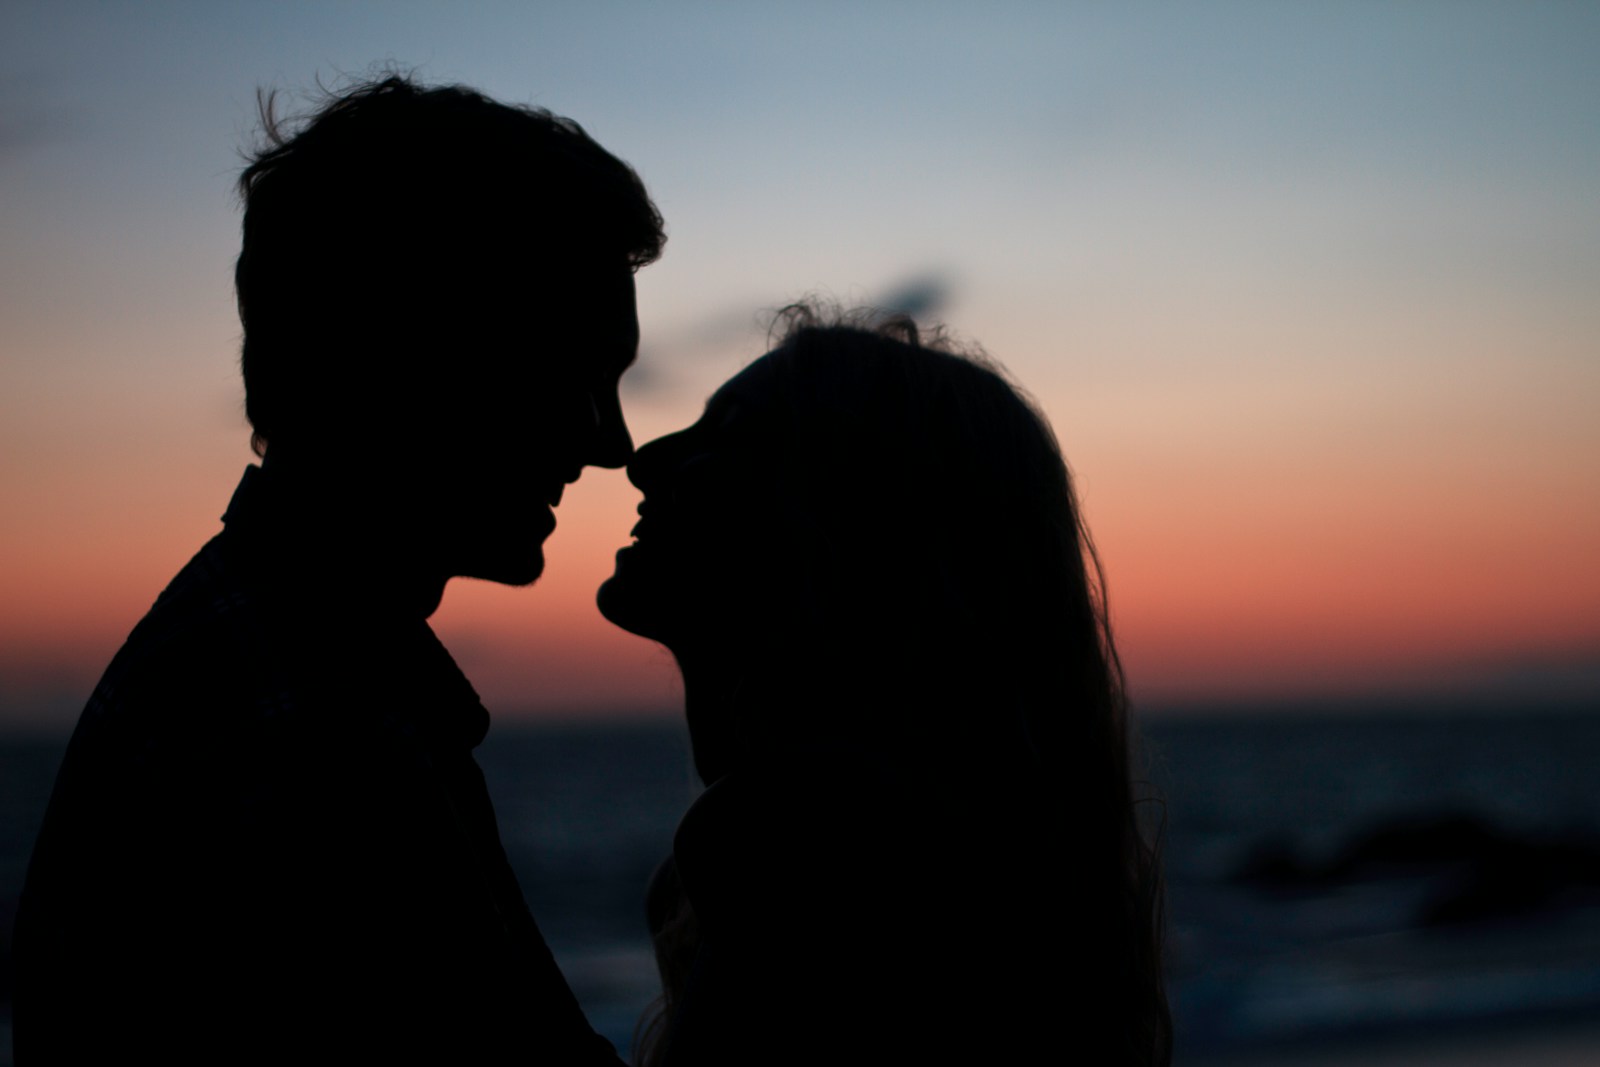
[(341, 536)]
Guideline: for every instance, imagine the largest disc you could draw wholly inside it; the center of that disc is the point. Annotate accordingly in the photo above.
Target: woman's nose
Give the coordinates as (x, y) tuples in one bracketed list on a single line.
[(650, 464)]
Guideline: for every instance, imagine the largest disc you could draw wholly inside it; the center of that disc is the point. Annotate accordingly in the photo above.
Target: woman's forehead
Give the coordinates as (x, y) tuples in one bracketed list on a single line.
[(751, 383)]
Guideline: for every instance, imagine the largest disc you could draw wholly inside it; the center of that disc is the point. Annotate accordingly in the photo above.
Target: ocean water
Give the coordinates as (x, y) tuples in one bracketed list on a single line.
[(1356, 875), (1331, 877)]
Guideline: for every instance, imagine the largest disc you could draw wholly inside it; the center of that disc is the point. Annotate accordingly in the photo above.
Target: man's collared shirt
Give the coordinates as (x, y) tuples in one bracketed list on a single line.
[(269, 840)]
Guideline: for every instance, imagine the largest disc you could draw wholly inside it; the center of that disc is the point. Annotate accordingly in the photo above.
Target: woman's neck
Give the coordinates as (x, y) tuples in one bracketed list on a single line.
[(746, 708)]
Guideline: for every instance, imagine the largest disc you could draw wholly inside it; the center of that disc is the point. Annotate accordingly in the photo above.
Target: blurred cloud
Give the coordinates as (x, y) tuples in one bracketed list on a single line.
[(920, 297), (738, 332)]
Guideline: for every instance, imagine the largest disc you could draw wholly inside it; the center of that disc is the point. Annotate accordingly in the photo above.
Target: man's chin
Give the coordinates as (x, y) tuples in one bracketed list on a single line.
[(512, 572)]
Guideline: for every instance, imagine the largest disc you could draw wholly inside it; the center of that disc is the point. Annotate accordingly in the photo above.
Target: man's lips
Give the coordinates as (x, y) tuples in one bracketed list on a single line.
[(552, 494)]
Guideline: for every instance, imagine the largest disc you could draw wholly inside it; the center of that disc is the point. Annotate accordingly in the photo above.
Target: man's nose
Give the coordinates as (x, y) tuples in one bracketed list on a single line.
[(613, 446)]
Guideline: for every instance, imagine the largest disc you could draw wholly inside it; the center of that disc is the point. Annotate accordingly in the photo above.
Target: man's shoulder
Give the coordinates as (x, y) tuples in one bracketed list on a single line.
[(240, 644), (201, 645), (207, 593)]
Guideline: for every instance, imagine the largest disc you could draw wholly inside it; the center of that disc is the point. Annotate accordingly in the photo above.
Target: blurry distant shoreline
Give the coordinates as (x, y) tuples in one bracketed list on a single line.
[(48, 706), (1394, 880)]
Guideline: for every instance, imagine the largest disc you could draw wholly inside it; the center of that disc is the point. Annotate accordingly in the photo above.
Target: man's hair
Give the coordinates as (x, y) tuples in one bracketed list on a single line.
[(394, 206)]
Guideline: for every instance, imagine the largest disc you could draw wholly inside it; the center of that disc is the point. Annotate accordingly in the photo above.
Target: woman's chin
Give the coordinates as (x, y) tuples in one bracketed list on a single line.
[(622, 605)]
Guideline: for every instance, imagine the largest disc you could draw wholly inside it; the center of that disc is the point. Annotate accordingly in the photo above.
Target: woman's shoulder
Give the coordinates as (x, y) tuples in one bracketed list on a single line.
[(858, 839), (855, 887)]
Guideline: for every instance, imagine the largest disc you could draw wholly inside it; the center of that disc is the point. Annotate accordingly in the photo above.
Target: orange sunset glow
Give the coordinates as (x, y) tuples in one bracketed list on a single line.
[(1307, 294)]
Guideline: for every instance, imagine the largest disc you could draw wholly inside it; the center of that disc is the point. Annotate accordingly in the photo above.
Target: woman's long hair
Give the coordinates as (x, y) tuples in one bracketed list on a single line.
[(952, 571)]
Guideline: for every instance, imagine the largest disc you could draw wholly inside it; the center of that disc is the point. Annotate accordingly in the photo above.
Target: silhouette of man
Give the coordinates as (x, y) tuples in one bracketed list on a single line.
[(269, 840)]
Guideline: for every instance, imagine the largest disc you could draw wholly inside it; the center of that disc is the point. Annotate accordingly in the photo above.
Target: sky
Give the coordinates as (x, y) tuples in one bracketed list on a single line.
[(1308, 292)]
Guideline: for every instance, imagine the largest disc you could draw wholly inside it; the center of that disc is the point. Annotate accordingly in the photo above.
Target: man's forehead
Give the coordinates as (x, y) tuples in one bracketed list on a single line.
[(598, 328), (598, 280), (568, 344)]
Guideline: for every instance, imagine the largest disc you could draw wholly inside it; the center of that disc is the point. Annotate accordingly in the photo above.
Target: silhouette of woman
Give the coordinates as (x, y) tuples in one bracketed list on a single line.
[(919, 838)]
